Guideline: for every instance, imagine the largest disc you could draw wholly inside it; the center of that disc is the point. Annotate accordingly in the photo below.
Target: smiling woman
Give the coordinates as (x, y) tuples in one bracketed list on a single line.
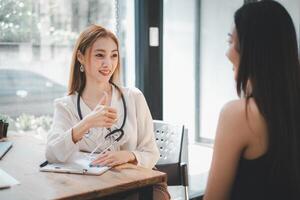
[(86, 120)]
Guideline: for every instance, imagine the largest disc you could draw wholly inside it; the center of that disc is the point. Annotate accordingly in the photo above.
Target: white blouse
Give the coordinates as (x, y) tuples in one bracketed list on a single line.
[(138, 130)]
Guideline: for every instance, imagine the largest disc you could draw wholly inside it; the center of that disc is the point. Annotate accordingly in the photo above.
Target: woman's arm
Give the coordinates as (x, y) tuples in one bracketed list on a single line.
[(60, 144), (231, 139), (65, 134), (146, 153)]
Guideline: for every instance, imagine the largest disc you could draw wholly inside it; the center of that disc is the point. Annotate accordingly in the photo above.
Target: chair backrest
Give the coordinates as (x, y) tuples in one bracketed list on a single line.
[(172, 143)]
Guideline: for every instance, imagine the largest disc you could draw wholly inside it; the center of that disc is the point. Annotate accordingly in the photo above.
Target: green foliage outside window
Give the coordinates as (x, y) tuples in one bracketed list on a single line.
[(17, 21), (31, 21)]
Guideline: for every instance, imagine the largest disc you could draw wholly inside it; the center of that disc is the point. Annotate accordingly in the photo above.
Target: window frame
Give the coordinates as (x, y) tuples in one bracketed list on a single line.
[(149, 59)]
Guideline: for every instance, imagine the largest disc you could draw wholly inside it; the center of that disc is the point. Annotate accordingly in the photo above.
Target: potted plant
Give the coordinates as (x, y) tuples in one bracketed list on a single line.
[(3, 126)]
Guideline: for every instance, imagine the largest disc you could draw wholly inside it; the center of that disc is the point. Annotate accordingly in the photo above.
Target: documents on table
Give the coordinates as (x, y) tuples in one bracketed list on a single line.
[(6, 180)]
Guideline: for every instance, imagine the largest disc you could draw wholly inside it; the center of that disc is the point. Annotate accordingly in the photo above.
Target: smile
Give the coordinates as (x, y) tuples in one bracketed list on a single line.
[(104, 72)]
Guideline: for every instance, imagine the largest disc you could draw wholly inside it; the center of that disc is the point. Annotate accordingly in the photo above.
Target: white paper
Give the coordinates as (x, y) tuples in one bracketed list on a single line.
[(6, 180)]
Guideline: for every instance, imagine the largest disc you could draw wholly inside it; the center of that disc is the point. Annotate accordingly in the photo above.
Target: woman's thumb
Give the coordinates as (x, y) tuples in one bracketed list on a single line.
[(104, 99)]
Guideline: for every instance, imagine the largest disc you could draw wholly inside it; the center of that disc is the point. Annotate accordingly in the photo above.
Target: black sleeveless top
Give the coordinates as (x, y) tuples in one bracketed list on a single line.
[(254, 182)]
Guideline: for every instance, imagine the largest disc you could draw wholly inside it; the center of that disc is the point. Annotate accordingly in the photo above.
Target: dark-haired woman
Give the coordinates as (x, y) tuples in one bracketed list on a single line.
[(257, 145)]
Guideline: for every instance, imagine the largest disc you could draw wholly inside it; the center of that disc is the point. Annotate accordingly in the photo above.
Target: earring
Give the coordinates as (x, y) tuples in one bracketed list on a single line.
[(81, 68)]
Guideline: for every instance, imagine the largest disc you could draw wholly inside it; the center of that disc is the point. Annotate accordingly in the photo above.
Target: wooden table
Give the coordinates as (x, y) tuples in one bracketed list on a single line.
[(23, 160)]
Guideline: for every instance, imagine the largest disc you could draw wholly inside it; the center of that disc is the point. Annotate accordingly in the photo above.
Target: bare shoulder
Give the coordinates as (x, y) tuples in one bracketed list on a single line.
[(234, 111), (243, 121), (242, 111), (233, 122), (232, 140)]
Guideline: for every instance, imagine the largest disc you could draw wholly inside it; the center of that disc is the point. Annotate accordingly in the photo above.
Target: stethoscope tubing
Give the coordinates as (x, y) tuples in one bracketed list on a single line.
[(124, 118)]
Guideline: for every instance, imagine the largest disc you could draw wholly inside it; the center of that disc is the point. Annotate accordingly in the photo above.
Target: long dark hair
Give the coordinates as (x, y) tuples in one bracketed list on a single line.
[(269, 61)]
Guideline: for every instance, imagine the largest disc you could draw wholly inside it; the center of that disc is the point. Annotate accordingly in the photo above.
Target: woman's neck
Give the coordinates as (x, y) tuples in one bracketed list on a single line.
[(93, 92)]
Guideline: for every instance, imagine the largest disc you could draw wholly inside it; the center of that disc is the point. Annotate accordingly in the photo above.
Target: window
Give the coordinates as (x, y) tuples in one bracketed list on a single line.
[(214, 80), (217, 84), (179, 62), (36, 42)]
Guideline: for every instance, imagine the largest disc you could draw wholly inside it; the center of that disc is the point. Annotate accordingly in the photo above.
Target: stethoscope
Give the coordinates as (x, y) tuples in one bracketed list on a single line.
[(111, 133)]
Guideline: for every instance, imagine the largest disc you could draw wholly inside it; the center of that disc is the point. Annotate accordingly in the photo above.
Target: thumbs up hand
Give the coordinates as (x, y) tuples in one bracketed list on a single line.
[(102, 115), (103, 101)]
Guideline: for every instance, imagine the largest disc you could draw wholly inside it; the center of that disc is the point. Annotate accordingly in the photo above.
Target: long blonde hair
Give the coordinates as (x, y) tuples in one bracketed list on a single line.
[(77, 79)]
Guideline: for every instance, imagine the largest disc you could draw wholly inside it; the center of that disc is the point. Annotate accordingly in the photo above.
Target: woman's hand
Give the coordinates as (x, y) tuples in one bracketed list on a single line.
[(113, 158), (101, 116)]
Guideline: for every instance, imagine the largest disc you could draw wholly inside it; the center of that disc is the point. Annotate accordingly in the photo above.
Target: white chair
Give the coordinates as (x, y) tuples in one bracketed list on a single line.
[(172, 143)]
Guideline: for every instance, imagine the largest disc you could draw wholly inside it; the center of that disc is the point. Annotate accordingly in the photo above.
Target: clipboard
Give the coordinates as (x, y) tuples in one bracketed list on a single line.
[(78, 164)]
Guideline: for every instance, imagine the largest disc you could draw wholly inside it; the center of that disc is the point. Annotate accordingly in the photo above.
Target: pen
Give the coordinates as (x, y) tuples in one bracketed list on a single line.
[(103, 151), (44, 164)]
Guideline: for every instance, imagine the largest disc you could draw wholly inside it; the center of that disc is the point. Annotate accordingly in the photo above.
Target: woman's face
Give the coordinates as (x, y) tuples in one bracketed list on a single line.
[(102, 60), (232, 53)]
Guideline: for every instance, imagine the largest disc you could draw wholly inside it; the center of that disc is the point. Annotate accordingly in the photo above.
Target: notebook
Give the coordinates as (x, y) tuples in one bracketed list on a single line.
[(78, 164), (4, 147)]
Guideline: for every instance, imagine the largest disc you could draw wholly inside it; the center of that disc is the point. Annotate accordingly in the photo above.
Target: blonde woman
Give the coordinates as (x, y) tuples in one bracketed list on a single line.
[(85, 118)]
